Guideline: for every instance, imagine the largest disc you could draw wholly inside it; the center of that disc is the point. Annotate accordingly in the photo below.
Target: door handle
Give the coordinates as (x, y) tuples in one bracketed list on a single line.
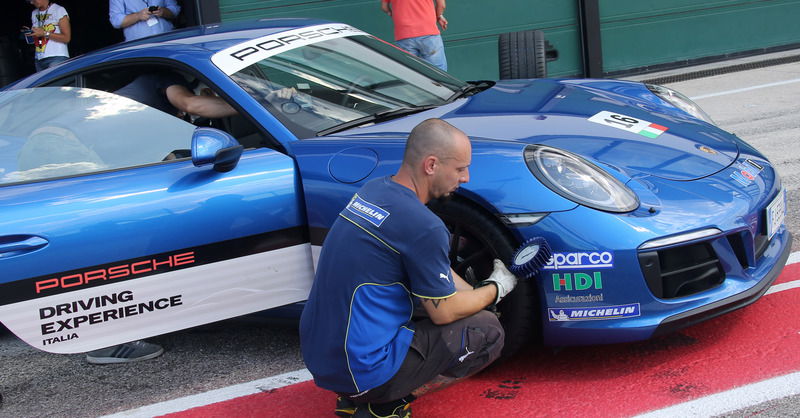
[(19, 244)]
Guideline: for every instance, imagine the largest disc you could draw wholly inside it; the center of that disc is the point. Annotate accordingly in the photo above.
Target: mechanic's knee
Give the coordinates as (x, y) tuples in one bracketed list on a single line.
[(482, 345)]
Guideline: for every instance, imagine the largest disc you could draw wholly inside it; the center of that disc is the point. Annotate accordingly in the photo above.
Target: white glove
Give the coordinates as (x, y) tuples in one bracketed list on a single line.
[(503, 279)]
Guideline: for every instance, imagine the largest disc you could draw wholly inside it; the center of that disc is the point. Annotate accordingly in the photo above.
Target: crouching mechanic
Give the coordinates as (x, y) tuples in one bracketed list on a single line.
[(386, 250)]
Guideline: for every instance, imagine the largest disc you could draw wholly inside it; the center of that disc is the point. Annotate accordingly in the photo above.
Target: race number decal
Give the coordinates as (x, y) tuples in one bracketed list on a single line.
[(627, 123)]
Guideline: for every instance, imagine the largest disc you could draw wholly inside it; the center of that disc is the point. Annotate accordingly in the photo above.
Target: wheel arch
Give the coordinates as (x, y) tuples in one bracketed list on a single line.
[(520, 312)]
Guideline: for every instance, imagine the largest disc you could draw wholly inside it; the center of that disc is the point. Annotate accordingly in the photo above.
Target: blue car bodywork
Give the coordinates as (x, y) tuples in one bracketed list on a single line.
[(691, 227)]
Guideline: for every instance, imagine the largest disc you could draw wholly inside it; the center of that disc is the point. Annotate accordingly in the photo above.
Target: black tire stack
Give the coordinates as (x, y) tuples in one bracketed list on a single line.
[(522, 55)]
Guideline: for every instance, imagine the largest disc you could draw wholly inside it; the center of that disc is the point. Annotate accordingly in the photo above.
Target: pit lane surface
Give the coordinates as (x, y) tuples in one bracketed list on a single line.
[(745, 347)]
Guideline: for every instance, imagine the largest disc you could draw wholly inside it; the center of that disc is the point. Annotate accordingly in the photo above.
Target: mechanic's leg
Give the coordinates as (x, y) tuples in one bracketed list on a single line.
[(455, 350)]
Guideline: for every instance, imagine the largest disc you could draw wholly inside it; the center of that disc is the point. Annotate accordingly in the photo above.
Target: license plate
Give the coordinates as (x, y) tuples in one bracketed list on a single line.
[(776, 212)]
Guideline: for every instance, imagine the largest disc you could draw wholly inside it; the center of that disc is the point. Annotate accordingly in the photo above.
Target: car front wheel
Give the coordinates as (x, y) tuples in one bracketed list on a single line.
[(475, 241)]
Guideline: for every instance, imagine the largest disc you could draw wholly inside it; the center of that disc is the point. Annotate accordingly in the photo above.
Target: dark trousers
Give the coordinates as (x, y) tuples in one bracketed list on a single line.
[(458, 349)]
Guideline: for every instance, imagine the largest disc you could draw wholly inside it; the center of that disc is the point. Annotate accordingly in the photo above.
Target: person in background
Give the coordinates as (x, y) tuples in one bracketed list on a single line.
[(141, 18), (415, 28), (51, 32), (169, 93)]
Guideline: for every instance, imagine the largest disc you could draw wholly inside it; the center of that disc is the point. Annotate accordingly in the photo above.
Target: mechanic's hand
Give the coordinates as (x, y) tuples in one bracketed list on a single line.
[(503, 279)]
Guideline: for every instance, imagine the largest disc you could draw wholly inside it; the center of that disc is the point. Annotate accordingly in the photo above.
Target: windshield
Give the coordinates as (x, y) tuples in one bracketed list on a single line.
[(51, 132), (329, 80)]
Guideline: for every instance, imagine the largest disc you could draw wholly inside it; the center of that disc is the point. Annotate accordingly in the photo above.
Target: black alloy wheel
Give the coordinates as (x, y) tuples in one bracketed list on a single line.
[(476, 239)]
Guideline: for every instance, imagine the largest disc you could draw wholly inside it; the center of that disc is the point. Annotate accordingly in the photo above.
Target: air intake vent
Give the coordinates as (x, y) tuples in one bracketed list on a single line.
[(681, 271)]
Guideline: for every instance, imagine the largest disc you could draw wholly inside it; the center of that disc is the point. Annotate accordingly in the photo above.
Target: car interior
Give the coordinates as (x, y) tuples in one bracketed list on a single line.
[(112, 79)]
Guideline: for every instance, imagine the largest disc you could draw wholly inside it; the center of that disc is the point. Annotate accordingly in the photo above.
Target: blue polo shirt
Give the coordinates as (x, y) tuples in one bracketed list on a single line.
[(384, 248)]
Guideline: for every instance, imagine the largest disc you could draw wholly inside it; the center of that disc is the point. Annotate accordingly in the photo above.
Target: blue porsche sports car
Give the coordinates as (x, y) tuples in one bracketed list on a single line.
[(119, 221)]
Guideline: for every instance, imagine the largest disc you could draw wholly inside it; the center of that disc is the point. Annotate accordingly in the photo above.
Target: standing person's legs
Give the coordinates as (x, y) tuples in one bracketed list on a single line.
[(430, 48), (456, 350), (410, 45), (45, 63)]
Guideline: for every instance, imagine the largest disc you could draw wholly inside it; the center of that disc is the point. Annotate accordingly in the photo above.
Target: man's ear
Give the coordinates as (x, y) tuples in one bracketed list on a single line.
[(429, 164)]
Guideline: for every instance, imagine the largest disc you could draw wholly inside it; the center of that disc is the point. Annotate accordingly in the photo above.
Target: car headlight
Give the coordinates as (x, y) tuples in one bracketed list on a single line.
[(579, 180), (680, 101)]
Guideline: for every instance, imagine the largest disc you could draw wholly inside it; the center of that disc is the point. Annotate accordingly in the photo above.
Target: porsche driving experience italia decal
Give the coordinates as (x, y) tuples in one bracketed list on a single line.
[(235, 58), (627, 123), (103, 305)]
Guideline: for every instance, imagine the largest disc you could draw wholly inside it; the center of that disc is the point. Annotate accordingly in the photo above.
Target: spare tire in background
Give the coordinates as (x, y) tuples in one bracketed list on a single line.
[(522, 55)]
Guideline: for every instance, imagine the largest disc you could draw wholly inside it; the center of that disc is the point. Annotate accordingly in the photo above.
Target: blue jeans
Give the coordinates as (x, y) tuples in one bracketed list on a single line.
[(48, 62), (430, 48)]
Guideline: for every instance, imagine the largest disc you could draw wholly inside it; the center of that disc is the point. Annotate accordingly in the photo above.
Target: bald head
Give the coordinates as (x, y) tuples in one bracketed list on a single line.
[(436, 160), (432, 137)]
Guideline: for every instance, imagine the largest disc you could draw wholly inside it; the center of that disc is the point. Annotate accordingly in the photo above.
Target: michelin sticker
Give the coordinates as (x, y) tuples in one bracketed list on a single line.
[(594, 313), (372, 213), (580, 260), (233, 59)]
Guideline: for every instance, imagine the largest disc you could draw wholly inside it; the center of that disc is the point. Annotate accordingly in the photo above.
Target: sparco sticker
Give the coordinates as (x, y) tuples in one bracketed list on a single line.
[(580, 260), (233, 59)]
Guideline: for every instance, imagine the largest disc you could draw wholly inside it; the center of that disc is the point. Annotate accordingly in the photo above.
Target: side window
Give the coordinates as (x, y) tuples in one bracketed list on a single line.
[(148, 85), (82, 132), (71, 81)]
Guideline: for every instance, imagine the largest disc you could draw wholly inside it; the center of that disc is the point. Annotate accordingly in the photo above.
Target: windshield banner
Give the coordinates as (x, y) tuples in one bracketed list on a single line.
[(235, 58)]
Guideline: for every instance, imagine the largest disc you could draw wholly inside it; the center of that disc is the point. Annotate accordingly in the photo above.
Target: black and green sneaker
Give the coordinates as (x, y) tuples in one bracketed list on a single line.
[(397, 409), (344, 407)]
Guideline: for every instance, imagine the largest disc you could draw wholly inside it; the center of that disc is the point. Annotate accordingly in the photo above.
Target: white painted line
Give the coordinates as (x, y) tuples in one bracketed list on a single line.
[(734, 399), (748, 395), (783, 286), (760, 86), (793, 258), (217, 395)]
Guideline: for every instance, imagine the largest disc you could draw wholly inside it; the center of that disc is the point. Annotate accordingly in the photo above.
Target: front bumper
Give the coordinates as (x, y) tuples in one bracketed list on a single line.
[(713, 310), (661, 316)]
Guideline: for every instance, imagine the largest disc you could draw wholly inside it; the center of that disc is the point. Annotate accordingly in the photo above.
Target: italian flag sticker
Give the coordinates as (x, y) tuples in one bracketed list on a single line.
[(627, 123), (652, 130)]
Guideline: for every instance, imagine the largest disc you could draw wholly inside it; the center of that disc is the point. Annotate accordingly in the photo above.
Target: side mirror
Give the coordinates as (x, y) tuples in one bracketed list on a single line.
[(212, 146)]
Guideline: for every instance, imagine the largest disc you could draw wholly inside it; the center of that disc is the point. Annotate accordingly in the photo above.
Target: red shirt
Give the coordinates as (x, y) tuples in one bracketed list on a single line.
[(413, 18)]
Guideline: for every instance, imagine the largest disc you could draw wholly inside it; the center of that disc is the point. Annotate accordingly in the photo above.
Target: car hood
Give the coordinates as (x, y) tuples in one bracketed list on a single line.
[(558, 112)]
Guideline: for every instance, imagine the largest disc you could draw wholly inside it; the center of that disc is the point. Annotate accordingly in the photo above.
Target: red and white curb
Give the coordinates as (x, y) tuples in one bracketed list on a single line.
[(217, 395), (710, 405)]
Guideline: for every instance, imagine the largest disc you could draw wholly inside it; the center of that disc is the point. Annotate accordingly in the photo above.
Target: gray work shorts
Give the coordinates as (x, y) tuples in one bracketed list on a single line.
[(458, 349)]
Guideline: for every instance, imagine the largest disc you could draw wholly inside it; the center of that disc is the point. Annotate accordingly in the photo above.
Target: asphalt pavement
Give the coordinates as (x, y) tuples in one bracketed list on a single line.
[(761, 106)]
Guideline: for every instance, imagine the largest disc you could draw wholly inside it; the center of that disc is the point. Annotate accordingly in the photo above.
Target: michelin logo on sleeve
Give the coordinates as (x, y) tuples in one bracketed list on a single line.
[(594, 313), (371, 213), (580, 260)]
